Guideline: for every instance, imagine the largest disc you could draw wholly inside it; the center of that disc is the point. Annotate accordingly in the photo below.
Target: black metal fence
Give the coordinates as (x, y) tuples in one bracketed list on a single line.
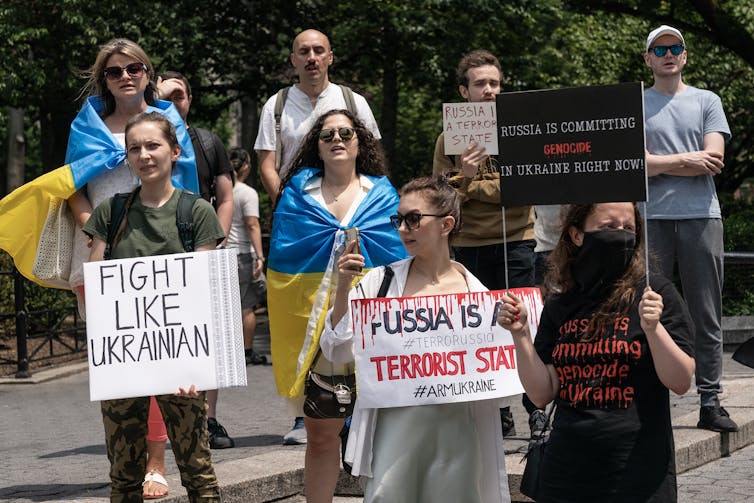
[(44, 330), (48, 333)]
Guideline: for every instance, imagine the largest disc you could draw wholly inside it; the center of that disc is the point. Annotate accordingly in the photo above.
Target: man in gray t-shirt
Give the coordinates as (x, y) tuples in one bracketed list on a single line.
[(686, 132)]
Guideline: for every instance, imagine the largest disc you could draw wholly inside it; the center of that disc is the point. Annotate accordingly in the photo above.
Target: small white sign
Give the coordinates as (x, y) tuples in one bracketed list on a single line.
[(464, 123), (157, 323), (437, 349)]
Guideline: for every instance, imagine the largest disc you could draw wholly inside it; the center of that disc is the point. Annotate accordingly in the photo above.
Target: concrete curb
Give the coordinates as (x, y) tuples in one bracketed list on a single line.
[(279, 474), (48, 374)]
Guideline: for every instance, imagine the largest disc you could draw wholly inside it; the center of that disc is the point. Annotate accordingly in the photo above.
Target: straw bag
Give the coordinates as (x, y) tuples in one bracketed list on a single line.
[(52, 264)]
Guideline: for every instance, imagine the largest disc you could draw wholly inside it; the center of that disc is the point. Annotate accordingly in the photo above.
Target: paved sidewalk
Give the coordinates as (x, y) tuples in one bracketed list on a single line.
[(52, 448)]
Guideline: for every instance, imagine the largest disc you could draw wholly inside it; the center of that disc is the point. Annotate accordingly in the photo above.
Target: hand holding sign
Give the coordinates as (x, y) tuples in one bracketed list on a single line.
[(474, 155), (465, 124), (513, 315)]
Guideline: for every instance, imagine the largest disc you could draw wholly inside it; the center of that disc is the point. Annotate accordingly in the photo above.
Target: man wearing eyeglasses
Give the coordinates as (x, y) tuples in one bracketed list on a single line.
[(686, 130), (474, 174), (304, 102)]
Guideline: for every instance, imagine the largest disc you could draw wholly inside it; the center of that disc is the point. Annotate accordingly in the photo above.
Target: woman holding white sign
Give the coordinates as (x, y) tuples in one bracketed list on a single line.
[(149, 228), (607, 351), (441, 453)]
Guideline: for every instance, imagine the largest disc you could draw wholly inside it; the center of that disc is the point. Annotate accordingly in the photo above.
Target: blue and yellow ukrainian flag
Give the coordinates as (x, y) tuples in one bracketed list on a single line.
[(301, 249), (92, 149)]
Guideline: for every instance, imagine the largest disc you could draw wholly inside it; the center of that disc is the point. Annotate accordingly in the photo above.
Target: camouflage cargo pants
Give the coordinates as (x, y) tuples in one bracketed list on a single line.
[(125, 422)]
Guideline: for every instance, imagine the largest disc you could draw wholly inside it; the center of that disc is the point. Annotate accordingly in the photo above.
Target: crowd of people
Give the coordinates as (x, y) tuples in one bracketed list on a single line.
[(321, 162)]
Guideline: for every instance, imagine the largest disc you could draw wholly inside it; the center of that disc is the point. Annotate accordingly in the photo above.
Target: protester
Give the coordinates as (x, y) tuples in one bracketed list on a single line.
[(150, 229), (337, 182), (607, 350), (246, 237), (215, 186), (120, 86), (440, 453), (290, 114), (313, 95), (686, 130), (481, 246)]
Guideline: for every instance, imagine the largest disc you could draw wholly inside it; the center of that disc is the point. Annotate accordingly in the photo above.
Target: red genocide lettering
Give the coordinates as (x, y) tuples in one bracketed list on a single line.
[(581, 147)]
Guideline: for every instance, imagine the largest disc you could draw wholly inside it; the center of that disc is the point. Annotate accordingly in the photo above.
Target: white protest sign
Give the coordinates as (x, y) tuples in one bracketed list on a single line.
[(467, 122), (437, 349), (156, 323)]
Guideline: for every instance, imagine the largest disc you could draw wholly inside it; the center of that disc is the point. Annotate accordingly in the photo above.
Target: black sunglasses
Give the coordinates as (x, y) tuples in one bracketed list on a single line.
[(134, 70), (413, 220), (345, 133), (661, 50)]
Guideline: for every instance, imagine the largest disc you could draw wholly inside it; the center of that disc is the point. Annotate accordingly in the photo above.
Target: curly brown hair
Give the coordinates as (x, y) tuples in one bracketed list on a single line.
[(369, 161), (559, 276)]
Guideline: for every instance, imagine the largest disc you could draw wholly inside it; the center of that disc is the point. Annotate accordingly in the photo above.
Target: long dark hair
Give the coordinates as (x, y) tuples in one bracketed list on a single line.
[(559, 276), (369, 161)]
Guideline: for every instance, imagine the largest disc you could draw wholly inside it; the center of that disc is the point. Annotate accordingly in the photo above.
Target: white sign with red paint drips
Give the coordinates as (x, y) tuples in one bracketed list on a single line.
[(436, 349)]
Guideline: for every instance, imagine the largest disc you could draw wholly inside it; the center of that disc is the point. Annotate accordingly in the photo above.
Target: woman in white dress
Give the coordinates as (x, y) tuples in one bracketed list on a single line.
[(429, 453)]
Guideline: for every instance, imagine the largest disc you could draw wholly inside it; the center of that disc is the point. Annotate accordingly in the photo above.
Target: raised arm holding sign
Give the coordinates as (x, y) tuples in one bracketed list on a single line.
[(469, 432)]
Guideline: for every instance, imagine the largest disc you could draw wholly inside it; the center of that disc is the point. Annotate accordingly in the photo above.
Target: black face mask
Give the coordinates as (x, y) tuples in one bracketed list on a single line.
[(602, 259)]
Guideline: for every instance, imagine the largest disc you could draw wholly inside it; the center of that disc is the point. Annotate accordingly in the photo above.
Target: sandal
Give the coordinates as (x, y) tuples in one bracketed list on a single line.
[(150, 479)]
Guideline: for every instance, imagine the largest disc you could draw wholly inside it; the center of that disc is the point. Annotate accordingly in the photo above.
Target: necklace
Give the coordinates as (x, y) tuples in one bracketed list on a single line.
[(332, 193)]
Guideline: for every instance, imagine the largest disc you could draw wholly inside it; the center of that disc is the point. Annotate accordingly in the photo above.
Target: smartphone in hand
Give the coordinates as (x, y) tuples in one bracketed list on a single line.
[(351, 235)]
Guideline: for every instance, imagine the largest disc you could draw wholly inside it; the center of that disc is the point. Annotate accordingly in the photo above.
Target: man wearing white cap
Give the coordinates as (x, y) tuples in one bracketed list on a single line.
[(686, 130)]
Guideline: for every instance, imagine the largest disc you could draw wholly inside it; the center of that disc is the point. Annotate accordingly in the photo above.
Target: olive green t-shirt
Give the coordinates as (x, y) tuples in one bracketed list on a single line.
[(153, 231)]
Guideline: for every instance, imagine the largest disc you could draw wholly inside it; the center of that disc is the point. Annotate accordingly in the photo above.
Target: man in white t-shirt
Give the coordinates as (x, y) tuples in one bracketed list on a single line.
[(312, 96)]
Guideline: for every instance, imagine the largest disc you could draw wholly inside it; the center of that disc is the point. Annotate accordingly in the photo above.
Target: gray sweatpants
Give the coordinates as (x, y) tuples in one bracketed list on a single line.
[(697, 246)]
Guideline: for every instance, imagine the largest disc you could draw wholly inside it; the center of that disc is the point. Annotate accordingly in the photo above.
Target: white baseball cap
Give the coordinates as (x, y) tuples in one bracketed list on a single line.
[(663, 30)]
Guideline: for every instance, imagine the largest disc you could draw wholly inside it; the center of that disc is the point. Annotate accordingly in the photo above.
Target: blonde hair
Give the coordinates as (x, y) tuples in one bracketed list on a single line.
[(95, 75)]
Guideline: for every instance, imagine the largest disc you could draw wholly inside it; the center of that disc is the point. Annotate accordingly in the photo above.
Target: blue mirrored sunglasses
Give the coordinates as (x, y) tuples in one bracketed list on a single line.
[(661, 50)]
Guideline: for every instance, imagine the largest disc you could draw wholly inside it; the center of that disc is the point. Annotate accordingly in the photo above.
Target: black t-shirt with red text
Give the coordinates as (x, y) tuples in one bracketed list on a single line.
[(612, 439)]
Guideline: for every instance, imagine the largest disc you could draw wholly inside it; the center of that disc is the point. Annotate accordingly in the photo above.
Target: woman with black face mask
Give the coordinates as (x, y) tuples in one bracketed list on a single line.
[(607, 351)]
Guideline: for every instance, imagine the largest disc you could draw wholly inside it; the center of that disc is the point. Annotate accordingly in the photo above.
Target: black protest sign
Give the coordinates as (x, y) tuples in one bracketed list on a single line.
[(575, 145)]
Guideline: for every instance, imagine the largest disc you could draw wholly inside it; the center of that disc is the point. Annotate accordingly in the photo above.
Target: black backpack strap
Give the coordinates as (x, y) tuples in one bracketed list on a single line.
[(282, 96), (209, 151), (386, 280), (119, 206), (184, 219), (348, 96)]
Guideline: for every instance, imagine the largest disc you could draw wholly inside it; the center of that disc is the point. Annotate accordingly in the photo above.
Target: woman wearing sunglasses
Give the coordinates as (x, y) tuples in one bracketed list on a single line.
[(337, 182), (441, 453), (120, 87)]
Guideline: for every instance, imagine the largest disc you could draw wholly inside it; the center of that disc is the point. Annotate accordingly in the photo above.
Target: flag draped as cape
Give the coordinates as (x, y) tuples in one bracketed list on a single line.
[(92, 149), (301, 249)]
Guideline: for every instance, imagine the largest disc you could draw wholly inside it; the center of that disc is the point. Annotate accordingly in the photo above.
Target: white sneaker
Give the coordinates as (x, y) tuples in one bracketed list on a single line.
[(297, 435)]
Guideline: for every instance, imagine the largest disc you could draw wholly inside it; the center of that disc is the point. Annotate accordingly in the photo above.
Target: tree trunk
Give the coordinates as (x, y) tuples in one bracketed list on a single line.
[(389, 114), (55, 126), (249, 124), (16, 149)]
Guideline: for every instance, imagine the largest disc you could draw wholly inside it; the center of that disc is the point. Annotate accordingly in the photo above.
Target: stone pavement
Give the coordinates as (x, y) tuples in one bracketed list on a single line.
[(52, 447), (726, 480)]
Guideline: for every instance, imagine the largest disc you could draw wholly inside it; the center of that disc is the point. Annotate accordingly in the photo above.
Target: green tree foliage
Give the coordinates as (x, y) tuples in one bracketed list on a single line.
[(401, 55)]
